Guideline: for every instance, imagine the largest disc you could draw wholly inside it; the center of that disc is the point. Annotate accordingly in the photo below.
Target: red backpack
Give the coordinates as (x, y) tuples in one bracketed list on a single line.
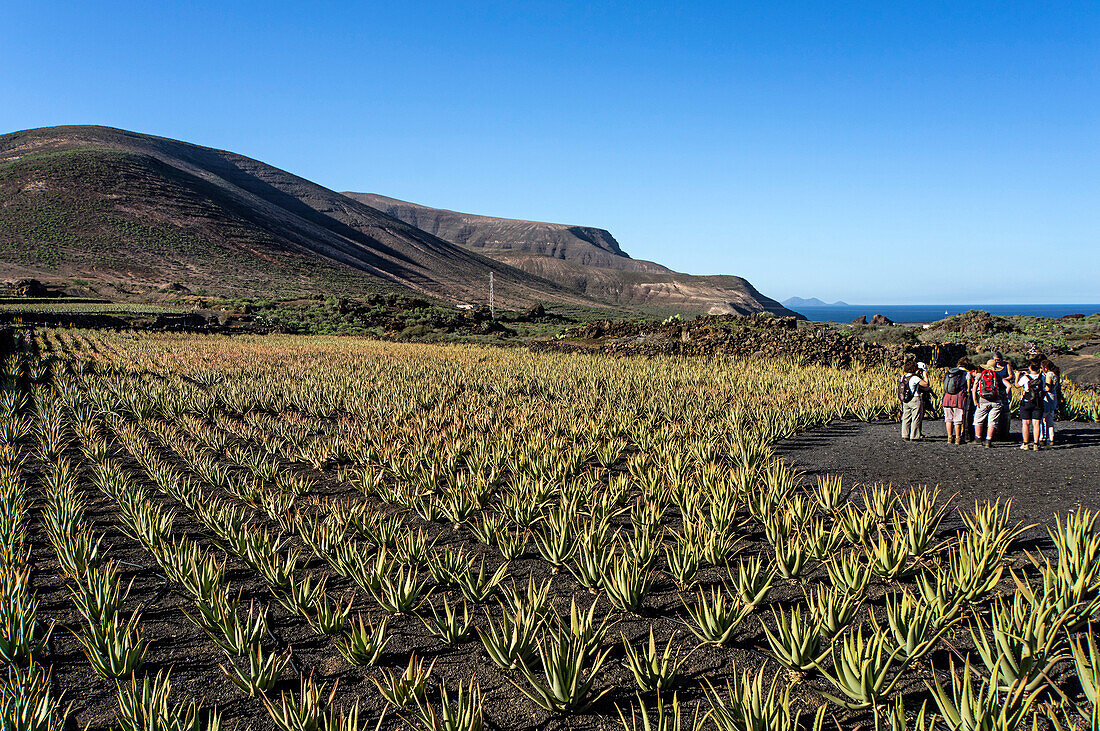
[(989, 386)]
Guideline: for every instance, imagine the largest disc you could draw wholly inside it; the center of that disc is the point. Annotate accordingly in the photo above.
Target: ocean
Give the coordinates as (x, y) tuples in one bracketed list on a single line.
[(931, 313)]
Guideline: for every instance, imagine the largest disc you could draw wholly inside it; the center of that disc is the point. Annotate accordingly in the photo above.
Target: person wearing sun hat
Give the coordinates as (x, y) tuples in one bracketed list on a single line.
[(987, 391)]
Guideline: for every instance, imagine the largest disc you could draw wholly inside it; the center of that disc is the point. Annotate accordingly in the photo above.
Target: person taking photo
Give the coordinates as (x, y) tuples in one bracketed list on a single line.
[(911, 388)]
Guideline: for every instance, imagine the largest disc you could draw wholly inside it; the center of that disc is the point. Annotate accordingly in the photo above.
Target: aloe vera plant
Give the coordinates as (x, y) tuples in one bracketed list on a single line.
[(1086, 663), (652, 669), (404, 688), (796, 642), (511, 643), (683, 563), (459, 711), (664, 717), (981, 708), (833, 609), (1021, 642), (922, 519), (364, 643), (1073, 578), (913, 627), (449, 626), (145, 706), (865, 671), (113, 647), (310, 710), (27, 703), (626, 583), (590, 563), (850, 572), (888, 555), (829, 492), (748, 705), (570, 669), (480, 586), (262, 672), (714, 618), (233, 630), (751, 583), (400, 593), (21, 636)]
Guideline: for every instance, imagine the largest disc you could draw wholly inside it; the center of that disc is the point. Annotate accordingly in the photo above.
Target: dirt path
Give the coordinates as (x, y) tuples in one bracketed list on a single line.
[(1040, 483)]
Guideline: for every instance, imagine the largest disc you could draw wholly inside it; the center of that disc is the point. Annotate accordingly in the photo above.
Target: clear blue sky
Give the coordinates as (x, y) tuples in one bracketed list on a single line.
[(873, 152)]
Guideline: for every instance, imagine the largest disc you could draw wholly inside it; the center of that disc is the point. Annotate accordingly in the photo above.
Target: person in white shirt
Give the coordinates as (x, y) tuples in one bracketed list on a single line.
[(1031, 404), (914, 381)]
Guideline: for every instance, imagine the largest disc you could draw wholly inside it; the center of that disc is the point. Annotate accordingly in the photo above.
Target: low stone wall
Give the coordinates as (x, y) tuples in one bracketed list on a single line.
[(751, 337)]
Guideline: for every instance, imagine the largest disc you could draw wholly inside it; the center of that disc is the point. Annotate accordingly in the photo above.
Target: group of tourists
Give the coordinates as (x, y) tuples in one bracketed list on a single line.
[(976, 400)]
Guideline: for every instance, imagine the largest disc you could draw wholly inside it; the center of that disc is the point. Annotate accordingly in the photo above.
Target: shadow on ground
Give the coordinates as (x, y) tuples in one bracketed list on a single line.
[(1040, 484)]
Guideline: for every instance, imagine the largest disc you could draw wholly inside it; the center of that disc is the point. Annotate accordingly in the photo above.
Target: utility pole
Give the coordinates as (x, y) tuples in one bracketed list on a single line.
[(492, 307)]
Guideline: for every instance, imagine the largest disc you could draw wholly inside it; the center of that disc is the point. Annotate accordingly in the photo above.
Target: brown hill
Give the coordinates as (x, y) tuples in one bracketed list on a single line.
[(584, 259), (145, 212)]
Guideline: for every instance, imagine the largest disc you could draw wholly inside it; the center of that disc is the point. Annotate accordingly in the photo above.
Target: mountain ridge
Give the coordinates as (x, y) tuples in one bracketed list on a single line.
[(143, 214), (585, 259), (108, 204)]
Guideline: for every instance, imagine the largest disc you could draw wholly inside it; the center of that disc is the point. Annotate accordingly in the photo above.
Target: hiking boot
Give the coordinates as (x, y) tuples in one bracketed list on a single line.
[(989, 444), (1025, 446)]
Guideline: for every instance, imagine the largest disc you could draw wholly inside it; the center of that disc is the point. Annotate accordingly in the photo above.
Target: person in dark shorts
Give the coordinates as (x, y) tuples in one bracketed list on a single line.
[(1007, 373), (968, 414), (1031, 404), (1053, 403)]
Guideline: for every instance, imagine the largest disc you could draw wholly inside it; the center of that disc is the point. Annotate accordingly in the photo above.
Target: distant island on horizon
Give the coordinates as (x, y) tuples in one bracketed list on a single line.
[(793, 302)]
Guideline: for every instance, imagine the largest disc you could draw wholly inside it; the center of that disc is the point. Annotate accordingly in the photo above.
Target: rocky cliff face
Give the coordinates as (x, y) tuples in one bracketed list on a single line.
[(582, 259)]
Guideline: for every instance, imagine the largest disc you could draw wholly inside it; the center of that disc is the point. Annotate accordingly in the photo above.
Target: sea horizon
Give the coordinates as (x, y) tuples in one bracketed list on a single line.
[(921, 314)]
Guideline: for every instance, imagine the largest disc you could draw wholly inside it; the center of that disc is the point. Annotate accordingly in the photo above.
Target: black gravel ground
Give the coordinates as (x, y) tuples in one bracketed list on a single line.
[(1040, 484)]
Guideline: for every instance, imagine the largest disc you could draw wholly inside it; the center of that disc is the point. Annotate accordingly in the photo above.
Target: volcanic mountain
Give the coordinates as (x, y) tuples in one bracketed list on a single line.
[(580, 258), (144, 213)]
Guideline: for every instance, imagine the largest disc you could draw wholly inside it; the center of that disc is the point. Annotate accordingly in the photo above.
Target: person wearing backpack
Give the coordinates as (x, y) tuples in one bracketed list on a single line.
[(1032, 404), (910, 387), (988, 392), (1008, 374), (1053, 403), (973, 372), (956, 389)]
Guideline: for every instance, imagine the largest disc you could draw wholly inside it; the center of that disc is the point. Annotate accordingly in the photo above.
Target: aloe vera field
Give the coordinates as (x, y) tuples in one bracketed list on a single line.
[(319, 533)]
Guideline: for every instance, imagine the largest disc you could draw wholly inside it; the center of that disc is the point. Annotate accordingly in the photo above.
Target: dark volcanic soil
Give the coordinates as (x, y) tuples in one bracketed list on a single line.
[(1040, 484)]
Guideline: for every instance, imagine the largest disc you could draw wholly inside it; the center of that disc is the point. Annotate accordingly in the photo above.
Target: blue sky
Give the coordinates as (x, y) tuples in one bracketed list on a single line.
[(871, 152)]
